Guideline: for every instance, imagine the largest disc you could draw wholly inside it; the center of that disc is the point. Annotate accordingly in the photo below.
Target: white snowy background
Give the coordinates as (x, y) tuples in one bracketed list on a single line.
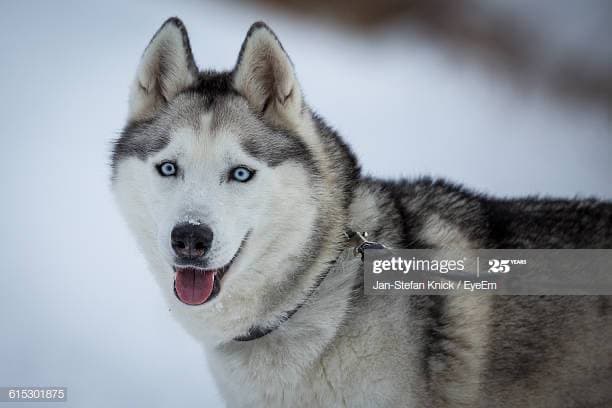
[(78, 307)]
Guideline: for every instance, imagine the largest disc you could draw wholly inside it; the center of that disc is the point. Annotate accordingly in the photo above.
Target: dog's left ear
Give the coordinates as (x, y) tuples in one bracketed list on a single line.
[(264, 75)]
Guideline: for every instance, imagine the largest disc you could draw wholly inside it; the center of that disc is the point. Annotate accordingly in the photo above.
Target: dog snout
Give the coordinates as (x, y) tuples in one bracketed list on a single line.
[(191, 241)]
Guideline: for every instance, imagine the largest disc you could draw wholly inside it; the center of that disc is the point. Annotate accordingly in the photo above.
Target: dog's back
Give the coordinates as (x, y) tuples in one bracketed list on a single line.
[(510, 351)]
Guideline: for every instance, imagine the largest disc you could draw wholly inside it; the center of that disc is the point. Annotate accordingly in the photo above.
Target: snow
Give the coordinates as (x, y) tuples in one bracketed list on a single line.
[(80, 309)]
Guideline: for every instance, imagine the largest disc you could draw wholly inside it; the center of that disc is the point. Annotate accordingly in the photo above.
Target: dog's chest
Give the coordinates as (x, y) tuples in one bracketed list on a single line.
[(362, 367), (325, 384)]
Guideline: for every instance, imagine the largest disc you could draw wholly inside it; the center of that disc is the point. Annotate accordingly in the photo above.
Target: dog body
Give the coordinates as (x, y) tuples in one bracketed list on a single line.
[(239, 197)]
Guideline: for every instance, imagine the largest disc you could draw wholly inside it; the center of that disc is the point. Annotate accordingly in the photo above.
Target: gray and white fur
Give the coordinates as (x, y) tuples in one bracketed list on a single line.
[(288, 275)]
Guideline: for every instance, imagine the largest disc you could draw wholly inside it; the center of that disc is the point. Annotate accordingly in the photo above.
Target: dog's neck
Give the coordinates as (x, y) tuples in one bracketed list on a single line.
[(356, 243), (257, 331), (314, 320)]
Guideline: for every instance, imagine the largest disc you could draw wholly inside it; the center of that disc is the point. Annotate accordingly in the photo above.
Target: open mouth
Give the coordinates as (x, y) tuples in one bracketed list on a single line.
[(195, 286)]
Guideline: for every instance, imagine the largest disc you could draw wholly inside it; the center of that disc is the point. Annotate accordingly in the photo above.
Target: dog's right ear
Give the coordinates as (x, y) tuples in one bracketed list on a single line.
[(166, 68)]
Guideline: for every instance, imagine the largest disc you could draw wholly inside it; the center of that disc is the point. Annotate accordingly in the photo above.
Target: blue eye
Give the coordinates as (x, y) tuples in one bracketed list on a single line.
[(242, 174), (167, 169)]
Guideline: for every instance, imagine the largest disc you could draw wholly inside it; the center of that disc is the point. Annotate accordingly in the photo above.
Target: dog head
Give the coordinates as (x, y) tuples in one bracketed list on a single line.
[(237, 193)]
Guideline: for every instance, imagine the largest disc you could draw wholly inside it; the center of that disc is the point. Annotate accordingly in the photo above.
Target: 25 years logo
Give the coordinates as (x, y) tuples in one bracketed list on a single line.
[(503, 265), (499, 266)]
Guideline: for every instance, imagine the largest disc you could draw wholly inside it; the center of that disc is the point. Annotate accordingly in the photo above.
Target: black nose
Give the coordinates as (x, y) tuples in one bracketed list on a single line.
[(191, 241)]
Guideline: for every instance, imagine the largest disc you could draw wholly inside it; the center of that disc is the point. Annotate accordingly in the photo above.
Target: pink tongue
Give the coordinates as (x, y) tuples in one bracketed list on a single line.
[(193, 286)]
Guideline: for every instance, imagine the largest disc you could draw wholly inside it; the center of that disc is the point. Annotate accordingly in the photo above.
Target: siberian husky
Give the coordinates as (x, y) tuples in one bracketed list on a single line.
[(240, 197)]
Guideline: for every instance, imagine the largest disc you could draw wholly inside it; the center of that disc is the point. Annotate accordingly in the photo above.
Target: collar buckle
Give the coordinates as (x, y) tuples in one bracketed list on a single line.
[(359, 242)]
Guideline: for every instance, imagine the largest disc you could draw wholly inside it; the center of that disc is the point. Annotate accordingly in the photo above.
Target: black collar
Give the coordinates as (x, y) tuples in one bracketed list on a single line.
[(256, 332)]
